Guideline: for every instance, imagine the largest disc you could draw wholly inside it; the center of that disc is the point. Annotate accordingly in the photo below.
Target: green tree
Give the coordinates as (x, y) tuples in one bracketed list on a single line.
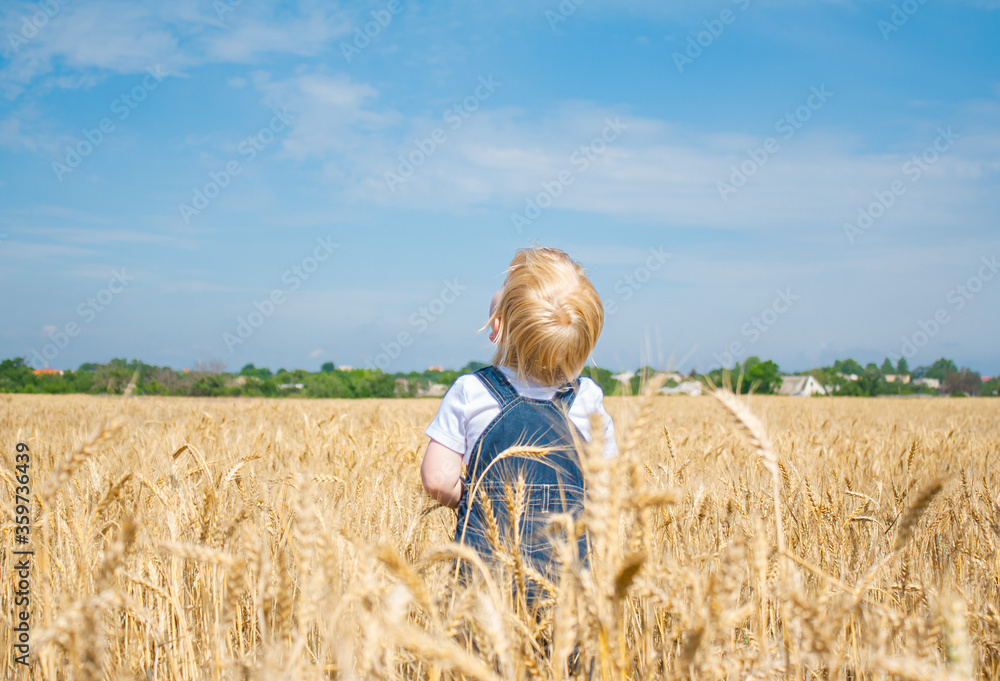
[(371, 383), (15, 375), (902, 367), (209, 385), (81, 381), (56, 385), (870, 381), (472, 367), (991, 387), (261, 373), (849, 389), (328, 367), (940, 369), (761, 377), (847, 366), (887, 368), (112, 377), (601, 377), (328, 384)]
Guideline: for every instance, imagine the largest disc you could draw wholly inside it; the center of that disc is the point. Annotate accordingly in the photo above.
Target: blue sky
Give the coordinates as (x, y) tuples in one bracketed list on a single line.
[(293, 183)]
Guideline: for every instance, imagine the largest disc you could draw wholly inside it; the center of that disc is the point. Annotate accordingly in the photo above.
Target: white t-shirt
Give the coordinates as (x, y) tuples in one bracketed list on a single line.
[(468, 407)]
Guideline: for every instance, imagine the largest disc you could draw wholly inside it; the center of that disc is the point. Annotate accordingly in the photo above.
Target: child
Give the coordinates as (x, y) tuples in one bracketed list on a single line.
[(545, 321)]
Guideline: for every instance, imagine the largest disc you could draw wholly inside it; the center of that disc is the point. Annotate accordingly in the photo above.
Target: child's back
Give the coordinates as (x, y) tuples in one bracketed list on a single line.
[(545, 321)]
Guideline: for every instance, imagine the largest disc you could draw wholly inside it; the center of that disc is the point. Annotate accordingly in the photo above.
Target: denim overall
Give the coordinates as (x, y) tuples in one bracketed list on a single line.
[(552, 483)]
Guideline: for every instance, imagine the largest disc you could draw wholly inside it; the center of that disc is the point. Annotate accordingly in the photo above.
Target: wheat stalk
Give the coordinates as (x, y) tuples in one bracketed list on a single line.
[(76, 457)]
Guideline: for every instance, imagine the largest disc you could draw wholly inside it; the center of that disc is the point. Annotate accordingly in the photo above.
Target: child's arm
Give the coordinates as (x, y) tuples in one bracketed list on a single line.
[(441, 473), (594, 403), (610, 446)]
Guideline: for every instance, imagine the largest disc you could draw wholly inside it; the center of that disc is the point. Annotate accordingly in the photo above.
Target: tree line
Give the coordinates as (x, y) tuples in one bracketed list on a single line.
[(848, 377), (119, 376), (136, 377)]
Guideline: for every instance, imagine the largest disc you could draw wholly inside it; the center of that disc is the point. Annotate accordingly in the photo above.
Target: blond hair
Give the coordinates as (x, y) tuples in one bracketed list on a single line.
[(550, 317)]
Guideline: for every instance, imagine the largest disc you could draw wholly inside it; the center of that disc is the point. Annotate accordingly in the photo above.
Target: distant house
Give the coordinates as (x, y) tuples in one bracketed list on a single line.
[(434, 390), (902, 378), (624, 377), (436, 367), (692, 388), (48, 372), (928, 383), (291, 386), (800, 386), (345, 367), (849, 377)]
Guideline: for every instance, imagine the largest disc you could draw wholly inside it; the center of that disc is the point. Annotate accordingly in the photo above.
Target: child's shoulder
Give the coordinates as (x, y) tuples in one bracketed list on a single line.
[(461, 385), (466, 388)]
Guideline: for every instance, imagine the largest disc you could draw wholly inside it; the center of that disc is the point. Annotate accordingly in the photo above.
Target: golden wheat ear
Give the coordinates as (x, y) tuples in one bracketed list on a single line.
[(908, 524), (761, 441), (76, 457)]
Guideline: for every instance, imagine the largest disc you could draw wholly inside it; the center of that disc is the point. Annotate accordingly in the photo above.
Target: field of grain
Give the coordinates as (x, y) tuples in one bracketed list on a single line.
[(181, 538)]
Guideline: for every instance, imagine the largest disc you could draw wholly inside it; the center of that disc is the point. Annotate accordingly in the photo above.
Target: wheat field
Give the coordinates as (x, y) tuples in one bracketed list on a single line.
[(182, 538)]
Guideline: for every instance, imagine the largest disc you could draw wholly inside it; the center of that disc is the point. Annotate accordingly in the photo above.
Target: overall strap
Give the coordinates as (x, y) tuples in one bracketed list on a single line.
[(566, 394), (497, 384), (505, 393)]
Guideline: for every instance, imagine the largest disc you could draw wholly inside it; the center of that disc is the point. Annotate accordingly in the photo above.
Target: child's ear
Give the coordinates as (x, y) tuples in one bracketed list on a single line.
[(495, 330)]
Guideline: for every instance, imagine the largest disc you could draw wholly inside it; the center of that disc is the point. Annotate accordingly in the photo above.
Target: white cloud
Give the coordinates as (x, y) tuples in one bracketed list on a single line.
[(107, 236), (15, 251), (301, 35), (188, 286), (61, 213), (24, 129), (333, 114), (653, 171), (660, 173), (84, 41)]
